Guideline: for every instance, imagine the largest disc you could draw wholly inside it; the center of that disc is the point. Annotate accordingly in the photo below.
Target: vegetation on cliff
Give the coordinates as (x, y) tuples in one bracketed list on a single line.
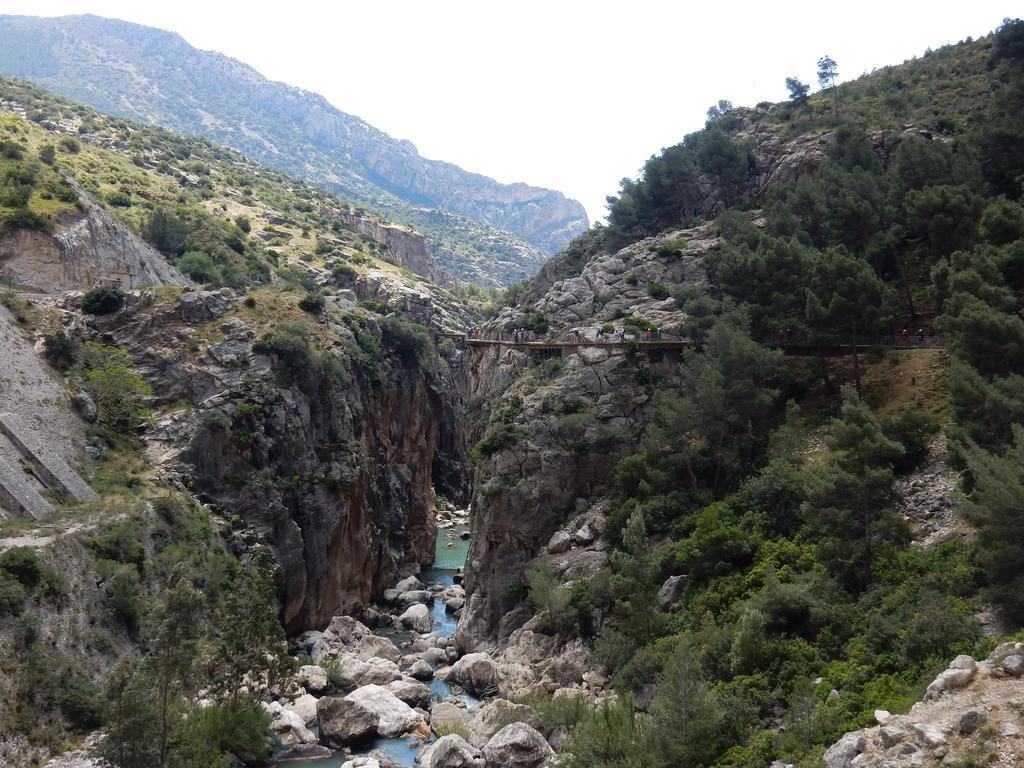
[(784, 522)]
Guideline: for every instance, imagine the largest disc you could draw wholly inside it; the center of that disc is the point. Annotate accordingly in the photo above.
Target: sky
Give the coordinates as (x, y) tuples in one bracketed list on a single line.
[(564, 94)]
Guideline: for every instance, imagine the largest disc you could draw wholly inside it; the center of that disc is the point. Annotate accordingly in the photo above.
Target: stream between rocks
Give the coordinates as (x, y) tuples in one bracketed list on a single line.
[(451, 550)]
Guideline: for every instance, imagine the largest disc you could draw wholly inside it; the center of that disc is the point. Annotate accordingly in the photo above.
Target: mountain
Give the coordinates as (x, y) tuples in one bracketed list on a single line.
[(156, 77)]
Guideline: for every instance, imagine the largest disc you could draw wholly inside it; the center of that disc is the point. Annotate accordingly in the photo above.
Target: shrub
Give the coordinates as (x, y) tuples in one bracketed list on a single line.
[(657, 291), (120, 198), (458, 729), (312, 303), (103, 300), (199, 266), (79, 700), (411, 340), (243, 223), (70, 145), (60, 350), (12, 595), (501, 437), (108, 375), (47, 154), (23, 564)]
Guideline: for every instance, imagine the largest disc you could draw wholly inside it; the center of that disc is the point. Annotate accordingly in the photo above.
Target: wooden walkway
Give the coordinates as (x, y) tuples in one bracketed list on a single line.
[(829, 347)]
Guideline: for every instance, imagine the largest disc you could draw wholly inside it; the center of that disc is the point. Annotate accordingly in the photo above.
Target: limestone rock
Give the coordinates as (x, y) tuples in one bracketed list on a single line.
[(344, 722), (452, 751), (496, 714), (560, 542), (445, 715), (393, 716), (476, 672), (346, 635), (305, 707), (842, 753), (313, 678), (421, 670), (289, 726), (517, 745), (929, 735), (417, 618), (412, 692)]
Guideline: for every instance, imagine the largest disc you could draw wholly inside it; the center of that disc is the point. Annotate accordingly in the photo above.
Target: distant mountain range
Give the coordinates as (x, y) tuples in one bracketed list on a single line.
[(478, 228)]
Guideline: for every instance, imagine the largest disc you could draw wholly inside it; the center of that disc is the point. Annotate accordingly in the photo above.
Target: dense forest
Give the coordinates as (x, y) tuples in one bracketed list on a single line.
[(798, 573)]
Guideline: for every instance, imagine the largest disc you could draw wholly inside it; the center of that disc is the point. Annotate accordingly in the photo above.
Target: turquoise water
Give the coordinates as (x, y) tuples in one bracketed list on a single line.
[(447, 562)]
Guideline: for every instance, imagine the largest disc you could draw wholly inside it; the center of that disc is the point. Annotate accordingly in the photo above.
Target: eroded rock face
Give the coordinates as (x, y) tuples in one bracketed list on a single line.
[(87, 248), (335, 473)]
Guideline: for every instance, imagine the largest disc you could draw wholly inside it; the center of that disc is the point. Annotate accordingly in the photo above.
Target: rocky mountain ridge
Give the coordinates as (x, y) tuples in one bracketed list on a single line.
[(156, 77)]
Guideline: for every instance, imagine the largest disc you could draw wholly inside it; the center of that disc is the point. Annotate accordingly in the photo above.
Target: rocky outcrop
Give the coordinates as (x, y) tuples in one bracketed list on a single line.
[(547, 467), (334, 472), (88, 248), (407, 247), (971, 709)]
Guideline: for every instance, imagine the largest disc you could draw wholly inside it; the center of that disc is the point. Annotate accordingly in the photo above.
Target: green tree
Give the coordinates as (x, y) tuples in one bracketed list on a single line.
[(848, 299), (797, 92), (108, 375), (850, 498), (996, 508), (166, 231), (828, 71)]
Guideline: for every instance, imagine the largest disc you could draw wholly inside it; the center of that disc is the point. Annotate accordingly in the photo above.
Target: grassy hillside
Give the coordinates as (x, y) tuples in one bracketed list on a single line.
[(222, 218)]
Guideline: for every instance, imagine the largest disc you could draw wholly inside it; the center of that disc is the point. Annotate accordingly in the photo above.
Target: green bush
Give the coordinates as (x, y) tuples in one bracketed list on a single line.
[(312, 303), (199, 267), (12, 595), (60, 350), (103, 300), (23, 564), (658, 291), (108, 375), (411, 340)]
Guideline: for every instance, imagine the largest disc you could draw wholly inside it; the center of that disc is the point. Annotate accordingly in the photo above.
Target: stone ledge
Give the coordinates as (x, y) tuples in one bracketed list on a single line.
[(47, 465), (18, 495)]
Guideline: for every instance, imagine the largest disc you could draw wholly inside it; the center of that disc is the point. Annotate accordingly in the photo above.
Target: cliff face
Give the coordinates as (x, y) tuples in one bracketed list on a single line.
[(407, 247), (87, 248), (155, 76), (333, 467), (550, 467)]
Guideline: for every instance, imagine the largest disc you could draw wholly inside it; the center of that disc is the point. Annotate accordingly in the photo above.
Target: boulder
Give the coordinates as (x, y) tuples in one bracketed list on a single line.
[(450, 751), (416, 618), (420, 670), (303, 752), (346, 635), (560, 542), (408, 584), (354, 672), (416, 596), (970, 721), (362, 762), (290, 727), (671, 590), (344, 722), (476, 672), (891, 735), (445, 715), (517, 745), (313, 678), (454, 604), (412, 692), (393, 716), (842, 753), (496, 714), (929, 735), (1013, 664), (305, 707)]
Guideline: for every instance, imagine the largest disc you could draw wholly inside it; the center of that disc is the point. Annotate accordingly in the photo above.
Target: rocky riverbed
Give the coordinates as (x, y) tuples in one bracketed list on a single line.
[(389, 688)]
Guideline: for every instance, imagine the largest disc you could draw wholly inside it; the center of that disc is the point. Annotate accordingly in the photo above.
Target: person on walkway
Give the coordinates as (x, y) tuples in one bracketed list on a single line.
[(920, 336), (657, 334), (903, 337)]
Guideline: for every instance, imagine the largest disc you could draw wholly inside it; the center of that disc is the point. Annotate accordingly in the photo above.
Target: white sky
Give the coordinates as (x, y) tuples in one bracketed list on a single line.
[(565, 94)]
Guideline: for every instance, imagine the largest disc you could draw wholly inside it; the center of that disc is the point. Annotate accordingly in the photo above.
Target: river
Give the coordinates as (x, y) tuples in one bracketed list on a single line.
[(449, 556)]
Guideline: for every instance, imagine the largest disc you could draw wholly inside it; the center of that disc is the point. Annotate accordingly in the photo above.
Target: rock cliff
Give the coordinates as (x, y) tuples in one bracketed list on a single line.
[(87, 248), (539, 466), (329, 461)]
